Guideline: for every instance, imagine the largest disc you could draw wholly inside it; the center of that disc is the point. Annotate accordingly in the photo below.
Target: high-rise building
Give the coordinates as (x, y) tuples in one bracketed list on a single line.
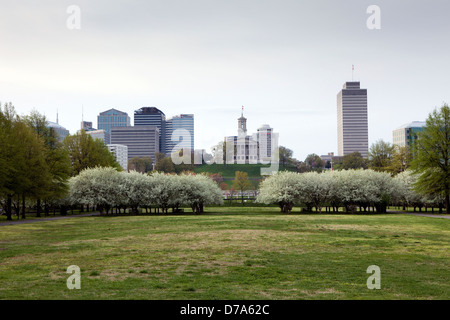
[(151, 116), (407, 134), (112, 118), (87, 126), (142, 141), (60, 130), (120, 152), (265, 147), (353, 129), (100, 134), (183, 128)]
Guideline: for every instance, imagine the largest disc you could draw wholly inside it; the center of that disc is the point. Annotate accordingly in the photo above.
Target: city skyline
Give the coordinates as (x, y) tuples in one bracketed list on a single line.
[(210, 58)]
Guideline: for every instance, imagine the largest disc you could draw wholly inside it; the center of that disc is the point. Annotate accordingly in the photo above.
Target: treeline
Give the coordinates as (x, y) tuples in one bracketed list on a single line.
[(428, 158), (350, 189), (35, 166), (383, 157), (107, 189)]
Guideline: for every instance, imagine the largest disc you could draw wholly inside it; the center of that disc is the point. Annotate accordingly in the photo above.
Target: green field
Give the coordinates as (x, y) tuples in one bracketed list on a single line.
[(228, 253)]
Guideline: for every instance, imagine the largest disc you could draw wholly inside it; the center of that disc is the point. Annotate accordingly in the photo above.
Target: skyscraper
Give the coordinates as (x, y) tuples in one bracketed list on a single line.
[(151, 116), (112, 118), (265, 148), (142, 141), (183, 127), (353, 129), (60, 130)]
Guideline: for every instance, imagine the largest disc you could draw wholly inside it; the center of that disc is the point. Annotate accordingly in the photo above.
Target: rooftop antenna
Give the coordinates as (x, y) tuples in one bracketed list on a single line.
[(353, 69), (57, 116), (82, 113)]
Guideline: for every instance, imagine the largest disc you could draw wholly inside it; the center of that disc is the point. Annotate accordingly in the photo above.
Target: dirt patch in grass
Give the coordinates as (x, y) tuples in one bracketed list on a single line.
[(323, 291)]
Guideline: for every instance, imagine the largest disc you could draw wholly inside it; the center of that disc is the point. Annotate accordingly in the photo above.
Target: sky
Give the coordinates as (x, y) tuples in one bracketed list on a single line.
[(284, 61)]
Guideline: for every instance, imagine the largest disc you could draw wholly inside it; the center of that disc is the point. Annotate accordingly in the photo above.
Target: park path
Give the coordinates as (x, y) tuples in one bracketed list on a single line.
[(444, 216), (13, 222)]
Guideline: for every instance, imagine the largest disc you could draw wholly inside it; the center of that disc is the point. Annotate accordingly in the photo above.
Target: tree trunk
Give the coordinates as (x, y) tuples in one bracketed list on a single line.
[(447, 203), (9, 207), (23, 206), (38, 208)]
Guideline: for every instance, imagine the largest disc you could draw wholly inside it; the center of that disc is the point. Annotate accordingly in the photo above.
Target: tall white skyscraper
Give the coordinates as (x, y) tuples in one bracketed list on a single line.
[(265, 147), (353, 128)]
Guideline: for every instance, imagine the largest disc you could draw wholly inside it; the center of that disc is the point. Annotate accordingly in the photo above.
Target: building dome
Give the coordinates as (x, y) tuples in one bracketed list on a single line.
[(55, 125)]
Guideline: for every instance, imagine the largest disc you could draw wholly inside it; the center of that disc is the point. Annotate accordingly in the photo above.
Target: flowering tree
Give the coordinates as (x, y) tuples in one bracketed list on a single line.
[(134, 191), (282, 189), (98, 186), (314, 189)]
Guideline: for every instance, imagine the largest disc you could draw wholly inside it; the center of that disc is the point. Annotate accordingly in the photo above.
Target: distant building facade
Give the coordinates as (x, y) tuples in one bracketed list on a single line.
[(60, 130), (100, 134), (407, 134), (152, 116), (265, 147), (142, 141), (352, 116), (120, 152), (87, 126), (249, 149), (112, 118), (183, 128)]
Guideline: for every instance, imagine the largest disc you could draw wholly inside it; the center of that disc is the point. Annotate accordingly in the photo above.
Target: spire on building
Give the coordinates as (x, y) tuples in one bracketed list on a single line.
[(242, 124)]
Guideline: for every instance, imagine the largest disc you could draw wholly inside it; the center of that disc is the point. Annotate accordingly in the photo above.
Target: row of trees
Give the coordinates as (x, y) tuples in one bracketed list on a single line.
[(35, 166), (347, 188), (106, 188), (383, 156)]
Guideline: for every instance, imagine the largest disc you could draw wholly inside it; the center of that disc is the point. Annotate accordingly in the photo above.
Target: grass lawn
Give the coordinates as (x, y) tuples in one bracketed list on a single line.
[(228, 253)]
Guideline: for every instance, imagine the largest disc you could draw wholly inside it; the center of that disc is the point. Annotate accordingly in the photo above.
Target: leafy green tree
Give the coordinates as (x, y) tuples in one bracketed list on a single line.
[(380, 155), (142, 165), (314, 162), (401, 159), (164, 164), (285, 156), (23, 156), (56, 159), (351, 161), (241, 183), (432, 156), (85, 152)]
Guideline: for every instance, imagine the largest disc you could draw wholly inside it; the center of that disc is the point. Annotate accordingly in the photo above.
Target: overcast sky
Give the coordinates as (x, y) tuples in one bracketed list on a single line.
[(284, 61)]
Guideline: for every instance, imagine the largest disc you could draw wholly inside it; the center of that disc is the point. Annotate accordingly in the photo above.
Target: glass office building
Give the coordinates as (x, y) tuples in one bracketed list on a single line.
[(151, 116), (181, 127), (407, 134), (112, 118)]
